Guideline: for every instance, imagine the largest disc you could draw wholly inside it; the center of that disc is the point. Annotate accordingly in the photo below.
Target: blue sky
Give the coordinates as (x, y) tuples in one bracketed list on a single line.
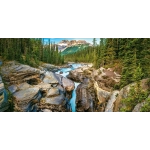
[(57, 40)]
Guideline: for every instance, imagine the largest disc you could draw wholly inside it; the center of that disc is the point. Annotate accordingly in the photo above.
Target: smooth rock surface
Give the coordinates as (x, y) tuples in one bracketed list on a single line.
[(53, 92), (17, 73), (23, 98), (58, 100), (68, 84), (23, 86), (50, 78), (84, 101), (102, 95), (110, 104), (12, 89)]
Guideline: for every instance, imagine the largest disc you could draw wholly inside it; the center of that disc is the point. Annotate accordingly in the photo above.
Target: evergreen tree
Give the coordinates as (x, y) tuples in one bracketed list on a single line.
[(29, 51), (94, 41)]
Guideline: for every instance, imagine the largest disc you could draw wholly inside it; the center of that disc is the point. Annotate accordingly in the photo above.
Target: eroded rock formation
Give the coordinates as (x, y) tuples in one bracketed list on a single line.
[(33, 89)]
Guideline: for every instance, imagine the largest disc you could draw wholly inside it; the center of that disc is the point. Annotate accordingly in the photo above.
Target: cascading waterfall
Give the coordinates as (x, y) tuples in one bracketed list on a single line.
[(65, 72)]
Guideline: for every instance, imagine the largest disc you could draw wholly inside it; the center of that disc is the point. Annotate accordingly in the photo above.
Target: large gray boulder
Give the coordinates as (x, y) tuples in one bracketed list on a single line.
[(24, 86), (57, 100), (23, 98), (12, 89), (68, 84), (102, 95), (50, 78), (84, 101), (53, 92), (15, 73)]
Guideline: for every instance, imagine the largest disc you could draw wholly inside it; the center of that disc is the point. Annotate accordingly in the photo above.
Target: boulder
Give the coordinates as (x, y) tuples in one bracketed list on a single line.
[(17, 73), (12, 89), (59, 78), (110, 104), (50, 78), (49, 106), (61, 89), (102, 95), (24, 99), (68, 84), (53, 92), (23, 86), (43, 86), (49, 67), (76, 75), (57, 100), (84, 101)]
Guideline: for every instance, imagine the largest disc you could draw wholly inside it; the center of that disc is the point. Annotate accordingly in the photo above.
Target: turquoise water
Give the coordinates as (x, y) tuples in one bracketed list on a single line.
[(64, 74), (5, 96), (73, 99)]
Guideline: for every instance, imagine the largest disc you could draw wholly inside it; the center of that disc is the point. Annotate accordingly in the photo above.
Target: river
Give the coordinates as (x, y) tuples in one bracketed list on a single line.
[(65, 72)]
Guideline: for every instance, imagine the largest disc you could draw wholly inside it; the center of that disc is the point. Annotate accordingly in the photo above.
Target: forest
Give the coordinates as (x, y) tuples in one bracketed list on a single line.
[(130, 56), (31, 51)]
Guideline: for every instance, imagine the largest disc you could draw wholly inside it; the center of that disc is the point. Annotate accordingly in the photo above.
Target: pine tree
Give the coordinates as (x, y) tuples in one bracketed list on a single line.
[(94, 42)]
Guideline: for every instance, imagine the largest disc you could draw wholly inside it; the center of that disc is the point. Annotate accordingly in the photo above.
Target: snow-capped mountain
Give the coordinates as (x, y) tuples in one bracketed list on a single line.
[(66, 43)]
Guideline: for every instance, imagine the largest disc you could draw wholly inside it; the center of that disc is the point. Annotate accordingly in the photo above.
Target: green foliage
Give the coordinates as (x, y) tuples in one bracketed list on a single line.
[(138, 74), (136, 95), (132, 54), (74, 49), (94, 42), (85, 55), (116, 87), (30, 51), (146, 106)]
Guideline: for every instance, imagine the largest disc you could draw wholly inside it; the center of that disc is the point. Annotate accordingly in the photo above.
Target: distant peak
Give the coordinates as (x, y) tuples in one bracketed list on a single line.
[(72, 42)]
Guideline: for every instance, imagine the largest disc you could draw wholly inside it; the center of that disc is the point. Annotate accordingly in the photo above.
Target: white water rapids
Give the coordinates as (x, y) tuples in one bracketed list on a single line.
[(65, 72)]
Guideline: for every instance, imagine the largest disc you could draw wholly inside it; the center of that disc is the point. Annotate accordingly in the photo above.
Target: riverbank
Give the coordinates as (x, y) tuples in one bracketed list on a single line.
[(99, 91), (34, 89), (70, 87)]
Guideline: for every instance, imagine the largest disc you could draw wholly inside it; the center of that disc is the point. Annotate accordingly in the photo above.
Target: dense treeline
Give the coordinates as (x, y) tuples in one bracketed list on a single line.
[(130, 55), (30, 51)]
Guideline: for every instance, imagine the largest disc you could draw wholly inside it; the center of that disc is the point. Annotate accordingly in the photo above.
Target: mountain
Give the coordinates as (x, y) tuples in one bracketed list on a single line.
[(72, 42), (69, 47), (74, 48)]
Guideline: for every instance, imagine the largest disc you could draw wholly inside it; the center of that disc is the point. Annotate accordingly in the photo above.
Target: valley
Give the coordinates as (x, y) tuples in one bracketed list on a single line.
[(83, 78)]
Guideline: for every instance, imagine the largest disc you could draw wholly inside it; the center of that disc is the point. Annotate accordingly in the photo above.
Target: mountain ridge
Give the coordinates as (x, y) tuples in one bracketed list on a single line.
[(64, 44)]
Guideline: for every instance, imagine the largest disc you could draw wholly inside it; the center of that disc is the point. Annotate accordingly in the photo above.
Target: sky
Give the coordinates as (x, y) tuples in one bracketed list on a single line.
[(57, 40)]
